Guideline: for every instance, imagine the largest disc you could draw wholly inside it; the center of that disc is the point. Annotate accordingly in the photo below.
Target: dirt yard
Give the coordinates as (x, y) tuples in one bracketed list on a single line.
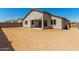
[(45, 40)]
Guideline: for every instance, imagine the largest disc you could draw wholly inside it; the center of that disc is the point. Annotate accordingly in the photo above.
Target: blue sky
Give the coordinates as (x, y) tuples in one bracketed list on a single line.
[(14, 13)]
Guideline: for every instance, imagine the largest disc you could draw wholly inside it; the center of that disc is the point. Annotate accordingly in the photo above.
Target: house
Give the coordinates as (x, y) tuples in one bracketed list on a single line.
[(73, 24), (10, 21), (19, 20), (41, 19)]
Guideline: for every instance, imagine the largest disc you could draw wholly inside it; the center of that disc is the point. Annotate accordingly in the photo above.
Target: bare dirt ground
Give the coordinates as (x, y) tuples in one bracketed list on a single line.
[(25, 39)]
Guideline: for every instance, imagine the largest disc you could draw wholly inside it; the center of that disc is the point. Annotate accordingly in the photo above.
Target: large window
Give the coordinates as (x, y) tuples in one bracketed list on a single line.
[(53, 22), (25, 22), (32, 22), (45, 23)]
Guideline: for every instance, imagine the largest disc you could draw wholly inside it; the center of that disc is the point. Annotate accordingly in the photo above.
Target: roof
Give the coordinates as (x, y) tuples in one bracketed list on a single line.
[(46, 13)]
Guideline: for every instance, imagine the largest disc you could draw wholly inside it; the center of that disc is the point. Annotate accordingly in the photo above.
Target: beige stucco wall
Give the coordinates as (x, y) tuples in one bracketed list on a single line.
[(48, 18), (58, 23), (32, 16)]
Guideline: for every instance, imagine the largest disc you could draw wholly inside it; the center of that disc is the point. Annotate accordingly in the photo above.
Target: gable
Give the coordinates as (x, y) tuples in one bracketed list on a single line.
[(34, 15)]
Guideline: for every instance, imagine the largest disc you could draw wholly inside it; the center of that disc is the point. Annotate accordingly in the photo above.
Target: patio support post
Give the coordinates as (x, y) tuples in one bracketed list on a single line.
[(42, 23)]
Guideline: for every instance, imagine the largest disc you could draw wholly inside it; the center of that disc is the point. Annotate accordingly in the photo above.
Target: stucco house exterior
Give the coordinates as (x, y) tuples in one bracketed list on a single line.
[(41, 19), (20, 20)]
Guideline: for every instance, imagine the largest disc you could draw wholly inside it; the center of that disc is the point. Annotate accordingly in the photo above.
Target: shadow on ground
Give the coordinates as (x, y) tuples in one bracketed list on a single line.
[(5, 44)]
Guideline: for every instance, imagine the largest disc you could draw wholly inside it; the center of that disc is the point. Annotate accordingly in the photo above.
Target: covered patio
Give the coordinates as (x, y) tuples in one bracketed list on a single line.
[(40, 23)]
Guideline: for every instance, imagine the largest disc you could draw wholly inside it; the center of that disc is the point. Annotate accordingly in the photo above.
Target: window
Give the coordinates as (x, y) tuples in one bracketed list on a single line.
[(45, 23), (25, 22), (53, 22), (32, 22)]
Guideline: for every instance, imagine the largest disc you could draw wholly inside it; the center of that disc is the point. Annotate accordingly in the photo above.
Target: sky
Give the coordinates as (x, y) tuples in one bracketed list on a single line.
[(71, 14)]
